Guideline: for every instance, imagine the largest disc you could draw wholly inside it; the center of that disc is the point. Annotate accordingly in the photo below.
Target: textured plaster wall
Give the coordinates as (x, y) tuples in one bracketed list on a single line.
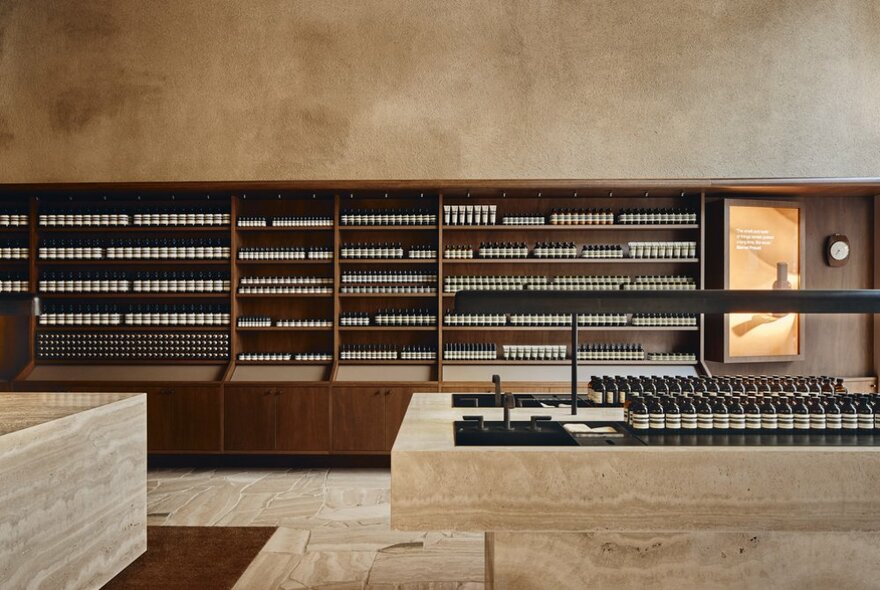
[(110, 90)]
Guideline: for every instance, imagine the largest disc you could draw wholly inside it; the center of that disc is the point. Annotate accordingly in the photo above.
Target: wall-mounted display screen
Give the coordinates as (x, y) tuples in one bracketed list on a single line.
[(764, 251)]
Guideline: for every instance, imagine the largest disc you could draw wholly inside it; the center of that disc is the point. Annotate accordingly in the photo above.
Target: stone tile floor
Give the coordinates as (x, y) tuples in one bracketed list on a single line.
[(333, 530)]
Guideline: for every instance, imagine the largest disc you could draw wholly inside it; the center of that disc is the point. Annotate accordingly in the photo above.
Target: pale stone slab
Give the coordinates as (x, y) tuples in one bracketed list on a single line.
[(438, 486), (704, 560), (73, 488)]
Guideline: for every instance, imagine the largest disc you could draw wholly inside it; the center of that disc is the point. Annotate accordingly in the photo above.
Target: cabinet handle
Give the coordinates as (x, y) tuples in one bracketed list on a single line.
[(387, 392)]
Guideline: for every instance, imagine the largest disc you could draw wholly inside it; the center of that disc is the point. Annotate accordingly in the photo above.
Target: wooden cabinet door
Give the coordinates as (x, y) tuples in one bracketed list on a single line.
[(249, 418), (359, 418), (160, 419), (396, 403), (302, 419), (195, 418)]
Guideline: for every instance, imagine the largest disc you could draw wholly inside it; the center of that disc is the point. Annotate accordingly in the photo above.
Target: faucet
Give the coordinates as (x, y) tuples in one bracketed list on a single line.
[(496, 379), (508, 405)]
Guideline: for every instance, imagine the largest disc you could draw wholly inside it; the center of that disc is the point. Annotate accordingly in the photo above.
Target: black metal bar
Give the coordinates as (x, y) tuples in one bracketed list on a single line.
[(696, 302), (574, 364)]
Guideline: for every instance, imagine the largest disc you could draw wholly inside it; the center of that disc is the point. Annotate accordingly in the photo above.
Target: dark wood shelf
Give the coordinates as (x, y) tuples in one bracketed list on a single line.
[(282, 295), (286, 262), (133, 228), (387, 227), (568, 329), (285, 329), (401, 295), (611, 227), (219, 363), (568, 363), (132, 262), (131, 328), (285, 229), (15, 230), (133, 295), (569, 260), (387, 328), (388, 362), (388, 260), (283, 363)]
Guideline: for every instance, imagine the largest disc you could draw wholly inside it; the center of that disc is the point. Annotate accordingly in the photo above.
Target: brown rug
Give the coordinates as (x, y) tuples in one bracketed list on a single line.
[(192, 557)]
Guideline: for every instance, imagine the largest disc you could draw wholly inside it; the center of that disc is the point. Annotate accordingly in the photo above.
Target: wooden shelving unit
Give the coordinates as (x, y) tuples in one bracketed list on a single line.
[(331, 204), (223, 406)]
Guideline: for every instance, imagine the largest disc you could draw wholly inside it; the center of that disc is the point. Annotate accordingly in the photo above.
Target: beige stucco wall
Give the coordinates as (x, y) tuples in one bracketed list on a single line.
[(288, 89)]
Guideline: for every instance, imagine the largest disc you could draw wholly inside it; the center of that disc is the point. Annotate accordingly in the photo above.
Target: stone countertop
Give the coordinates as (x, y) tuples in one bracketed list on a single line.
[(438, 486), (19, 411)]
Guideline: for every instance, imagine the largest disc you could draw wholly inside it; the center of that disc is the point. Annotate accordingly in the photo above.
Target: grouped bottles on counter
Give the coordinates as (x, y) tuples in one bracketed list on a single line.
[(662, 249), (470, 214), (135, 249), (285, 285), (611, 352), (523, 220), (533, 352), (384, 352), (275, 357), (657, 217), (389, 276), (132, 346), (284, 221), (134, 315), (469, 351), (14, 217), (390, 217), (664, 319), (113, 217), (458, 252), (503, 250), (555, 250), (455, 283), (16, 249), (371, 251), (13, 282), (581, 217), (602, 251), (285, 253), (739, 404)]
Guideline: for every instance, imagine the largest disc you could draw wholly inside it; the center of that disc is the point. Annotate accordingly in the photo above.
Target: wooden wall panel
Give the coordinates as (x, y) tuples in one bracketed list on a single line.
[(834, 344)]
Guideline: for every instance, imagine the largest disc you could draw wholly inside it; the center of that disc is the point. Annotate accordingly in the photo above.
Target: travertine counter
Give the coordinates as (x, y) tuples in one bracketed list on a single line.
[(626, 517), (72, 487)]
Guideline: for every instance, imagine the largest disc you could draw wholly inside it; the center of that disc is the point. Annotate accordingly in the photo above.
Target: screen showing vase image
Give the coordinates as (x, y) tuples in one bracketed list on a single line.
[(764, 253)]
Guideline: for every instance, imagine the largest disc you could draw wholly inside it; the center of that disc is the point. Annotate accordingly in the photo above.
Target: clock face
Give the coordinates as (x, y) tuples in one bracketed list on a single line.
[(839, 250)]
